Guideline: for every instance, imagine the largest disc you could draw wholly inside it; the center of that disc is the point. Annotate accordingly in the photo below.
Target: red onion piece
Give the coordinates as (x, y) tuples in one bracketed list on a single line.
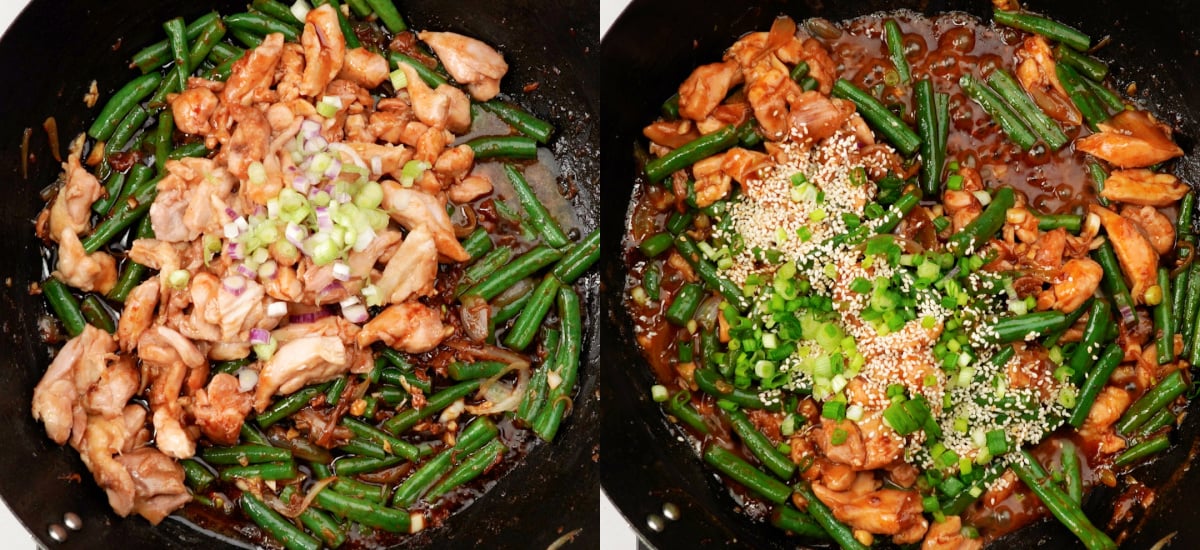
[(234, 284), (268, 270), (323, 219), (259, 336), (356, 313), (301, 318), (234, 251), (245, 271), (475, 313)]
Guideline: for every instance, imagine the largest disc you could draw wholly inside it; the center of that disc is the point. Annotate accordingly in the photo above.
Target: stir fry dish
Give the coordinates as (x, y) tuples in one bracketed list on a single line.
[(316, 285), (916, 279)]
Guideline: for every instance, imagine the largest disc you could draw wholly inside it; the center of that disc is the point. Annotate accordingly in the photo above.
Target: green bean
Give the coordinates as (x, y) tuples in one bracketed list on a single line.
[(435, 403), (224, 51), (760, 446), (354, 488), (1191, 304), (752, 478), (396, 359), (1086, 65), (377, 436), (204, 44), (1019, 327), (470, 468), (363, 447), (524, 266), (112, 191), (1114, 283), (132, 122), (1160, 420), (386, 11), (1106, 96), (656, 244), (885, 224), (895, 45), (837, 530), (282, 530), (300, 447), (177, 39), (1048, 28), (1098, 177), (162, 140), (539, 217), (1159, 397), (1081, 96), (714, 384), (251, 435), (708, 273), (680, 406), (123, 216), (1184, 234), (566, 363), (679, 221), (1059, 503), (884, 121), (194, 149), (364, 512), (511, 309), (354, 465), (1096, 380), (1072, 473), (156, 55), (121, 104), (691, 152), (670, 107), (984, 226), (535, 394), (132, 276), (278, 11), (652, 281), (477, 243), (478, 433), (1049, 222), (798, 72), (1016, 129), (1010, 91), (96, 315), (360, 8), (286, 407), (796, 522), (1099, 319), (577, 260), (247, 38), (245, 454), (64, 305), (684, 304), (430, 76), (1164, 322), (1142, 450), (266, 471), (518, 118), (261, 25), (941, 102), (459, 371), (320, 523), (198, 477), (404, 379), (347, 29), (932, 155), (334, 395)]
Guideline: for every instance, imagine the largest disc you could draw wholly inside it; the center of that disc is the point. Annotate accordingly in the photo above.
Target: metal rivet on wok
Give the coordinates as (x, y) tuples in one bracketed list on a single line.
[(73, 521), (656, 523), (671, 511), (58, 533)]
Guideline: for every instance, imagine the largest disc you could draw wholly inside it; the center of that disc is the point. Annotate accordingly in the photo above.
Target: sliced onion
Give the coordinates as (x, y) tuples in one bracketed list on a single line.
[(301, 318), (323, 220), (349, 301), (300, 183), (484, 352), (295, 235), (356, 313), (334, 170), (247, 379), (277, 309), (234, 251), (231, 231), (462, 230), (312, 493), (341, 271), (376, 165), (259, 336), (234, 284), (310, 128), (499, 397), (706, 314), (245, 271), (475, 313), (315, 144), (349, 152), (231, 213), (516, 291)]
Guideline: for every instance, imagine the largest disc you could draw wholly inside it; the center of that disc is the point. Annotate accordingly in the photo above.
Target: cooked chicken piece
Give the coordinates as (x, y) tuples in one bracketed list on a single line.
[(363, 261), (818, 116), (469, 189), (161, 346), (879, 446), (411, 209), (446, 107), (1037, 74), (410, 272), (56, 396), (469, 61), (117, 385), (882, 511), (453, 163), (72, 207), (221, 409), (671, 134), (158, 481), (254, 73), (706, 88), (770, 94), (962, 206), (1143, 187), (365, 68), (1109, 406), (290, 74), (200, 299), (1131, 139), (156, 254), (320, 286), (102, 439), (238, 312), (947, 535), (411, 326), (324, 49), (1077, 282), (284, 114), (298, 363), (1138, 259), (285, 286), (193, 108), (248, 144), (391, 158), (1156, 226), (87, 272), (820, 64), (712, 184)]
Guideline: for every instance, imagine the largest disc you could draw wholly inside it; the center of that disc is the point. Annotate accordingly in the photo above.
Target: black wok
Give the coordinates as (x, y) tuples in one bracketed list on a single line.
[(48, 57), (649, 50)]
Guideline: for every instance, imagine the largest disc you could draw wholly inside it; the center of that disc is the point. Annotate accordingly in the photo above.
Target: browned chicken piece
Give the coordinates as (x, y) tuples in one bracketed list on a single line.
[(320, 286), (1076, 282), (247, 145), (76, 367), (138, 313), (1109, 406), (411, 209), (102, 439), (743, 164), (1138, 259), (712, 183), (72, 207), (837, 476), (183, 315), (87, 272), (365, 68), (411, 271), (290, 73), (962, 206), (193, 108), (947, 535), (117, 385), (1037, 74), (1047, 251), (706, 88), (1143, 187), (469, 61), (881, 511), (445, 107), (1156, 226), (158, 483), (1131, 139), (191, 198), (382, 246), (411, 327), (221, 409), (283, 115), (469, 189), (769, 88), (821, 65), (869, 443), (817, 116), (671, 134), (324, 49), (454, 163), (298, 363), (253, 74)]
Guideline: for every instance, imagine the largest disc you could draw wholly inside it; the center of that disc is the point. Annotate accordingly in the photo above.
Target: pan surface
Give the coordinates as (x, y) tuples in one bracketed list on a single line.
[(650, 49), (51, 54)]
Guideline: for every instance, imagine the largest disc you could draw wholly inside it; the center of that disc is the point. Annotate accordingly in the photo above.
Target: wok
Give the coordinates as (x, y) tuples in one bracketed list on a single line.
[(648, 51), (49, 56)]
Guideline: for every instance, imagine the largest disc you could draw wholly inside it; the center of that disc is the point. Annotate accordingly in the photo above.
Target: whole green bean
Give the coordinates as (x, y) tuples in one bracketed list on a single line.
[(1106, 96), (1060, 504), (354, 465), (895, 45), (247, 38), (405, 379), (837, 530), (941, 102), (357, 489), (197, 476), (278, 11), (670, 107), (1096, 380), (477, 434), (1142, 451), (708, 273), (386, 11), (684, 304), (884, 121), (577, 260), (1019, 327), (760, 446), (1164, 322), (1049, 222), (363, 447), (123, 216), (387, 441), (516, 147), (566, 364), (334, 394), (292, 537), (1159, 397), (133, 273), (1081, 96), (742, 472), (286, 407), (364, 512), (317, 521), (430, 76), (691, 152), (244, 454), (1191, 305), (224, 51), (535, 394), (435, 403), (459, 371), (177, 39), (712, 383), (477, 243), (261, 25), (518, 118), (1048, 28), (1086, 353), (539, 216), (64, 305), (250, 434), (129, 125), (984, 226), (156, 55), (470, 468), (932, 158), (1072, 472), (266, 472), (1160, 420), (680, 406), (121, 103), (1086, 65), (511, 309), (112, 191), (162, 140), (796, 522), (360, 8), (655, 245), (194, 149), (524, 266), (93, 310), (204, 44), (1010, 91), (1098, 178), (1012, 124), (1114, 283)]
